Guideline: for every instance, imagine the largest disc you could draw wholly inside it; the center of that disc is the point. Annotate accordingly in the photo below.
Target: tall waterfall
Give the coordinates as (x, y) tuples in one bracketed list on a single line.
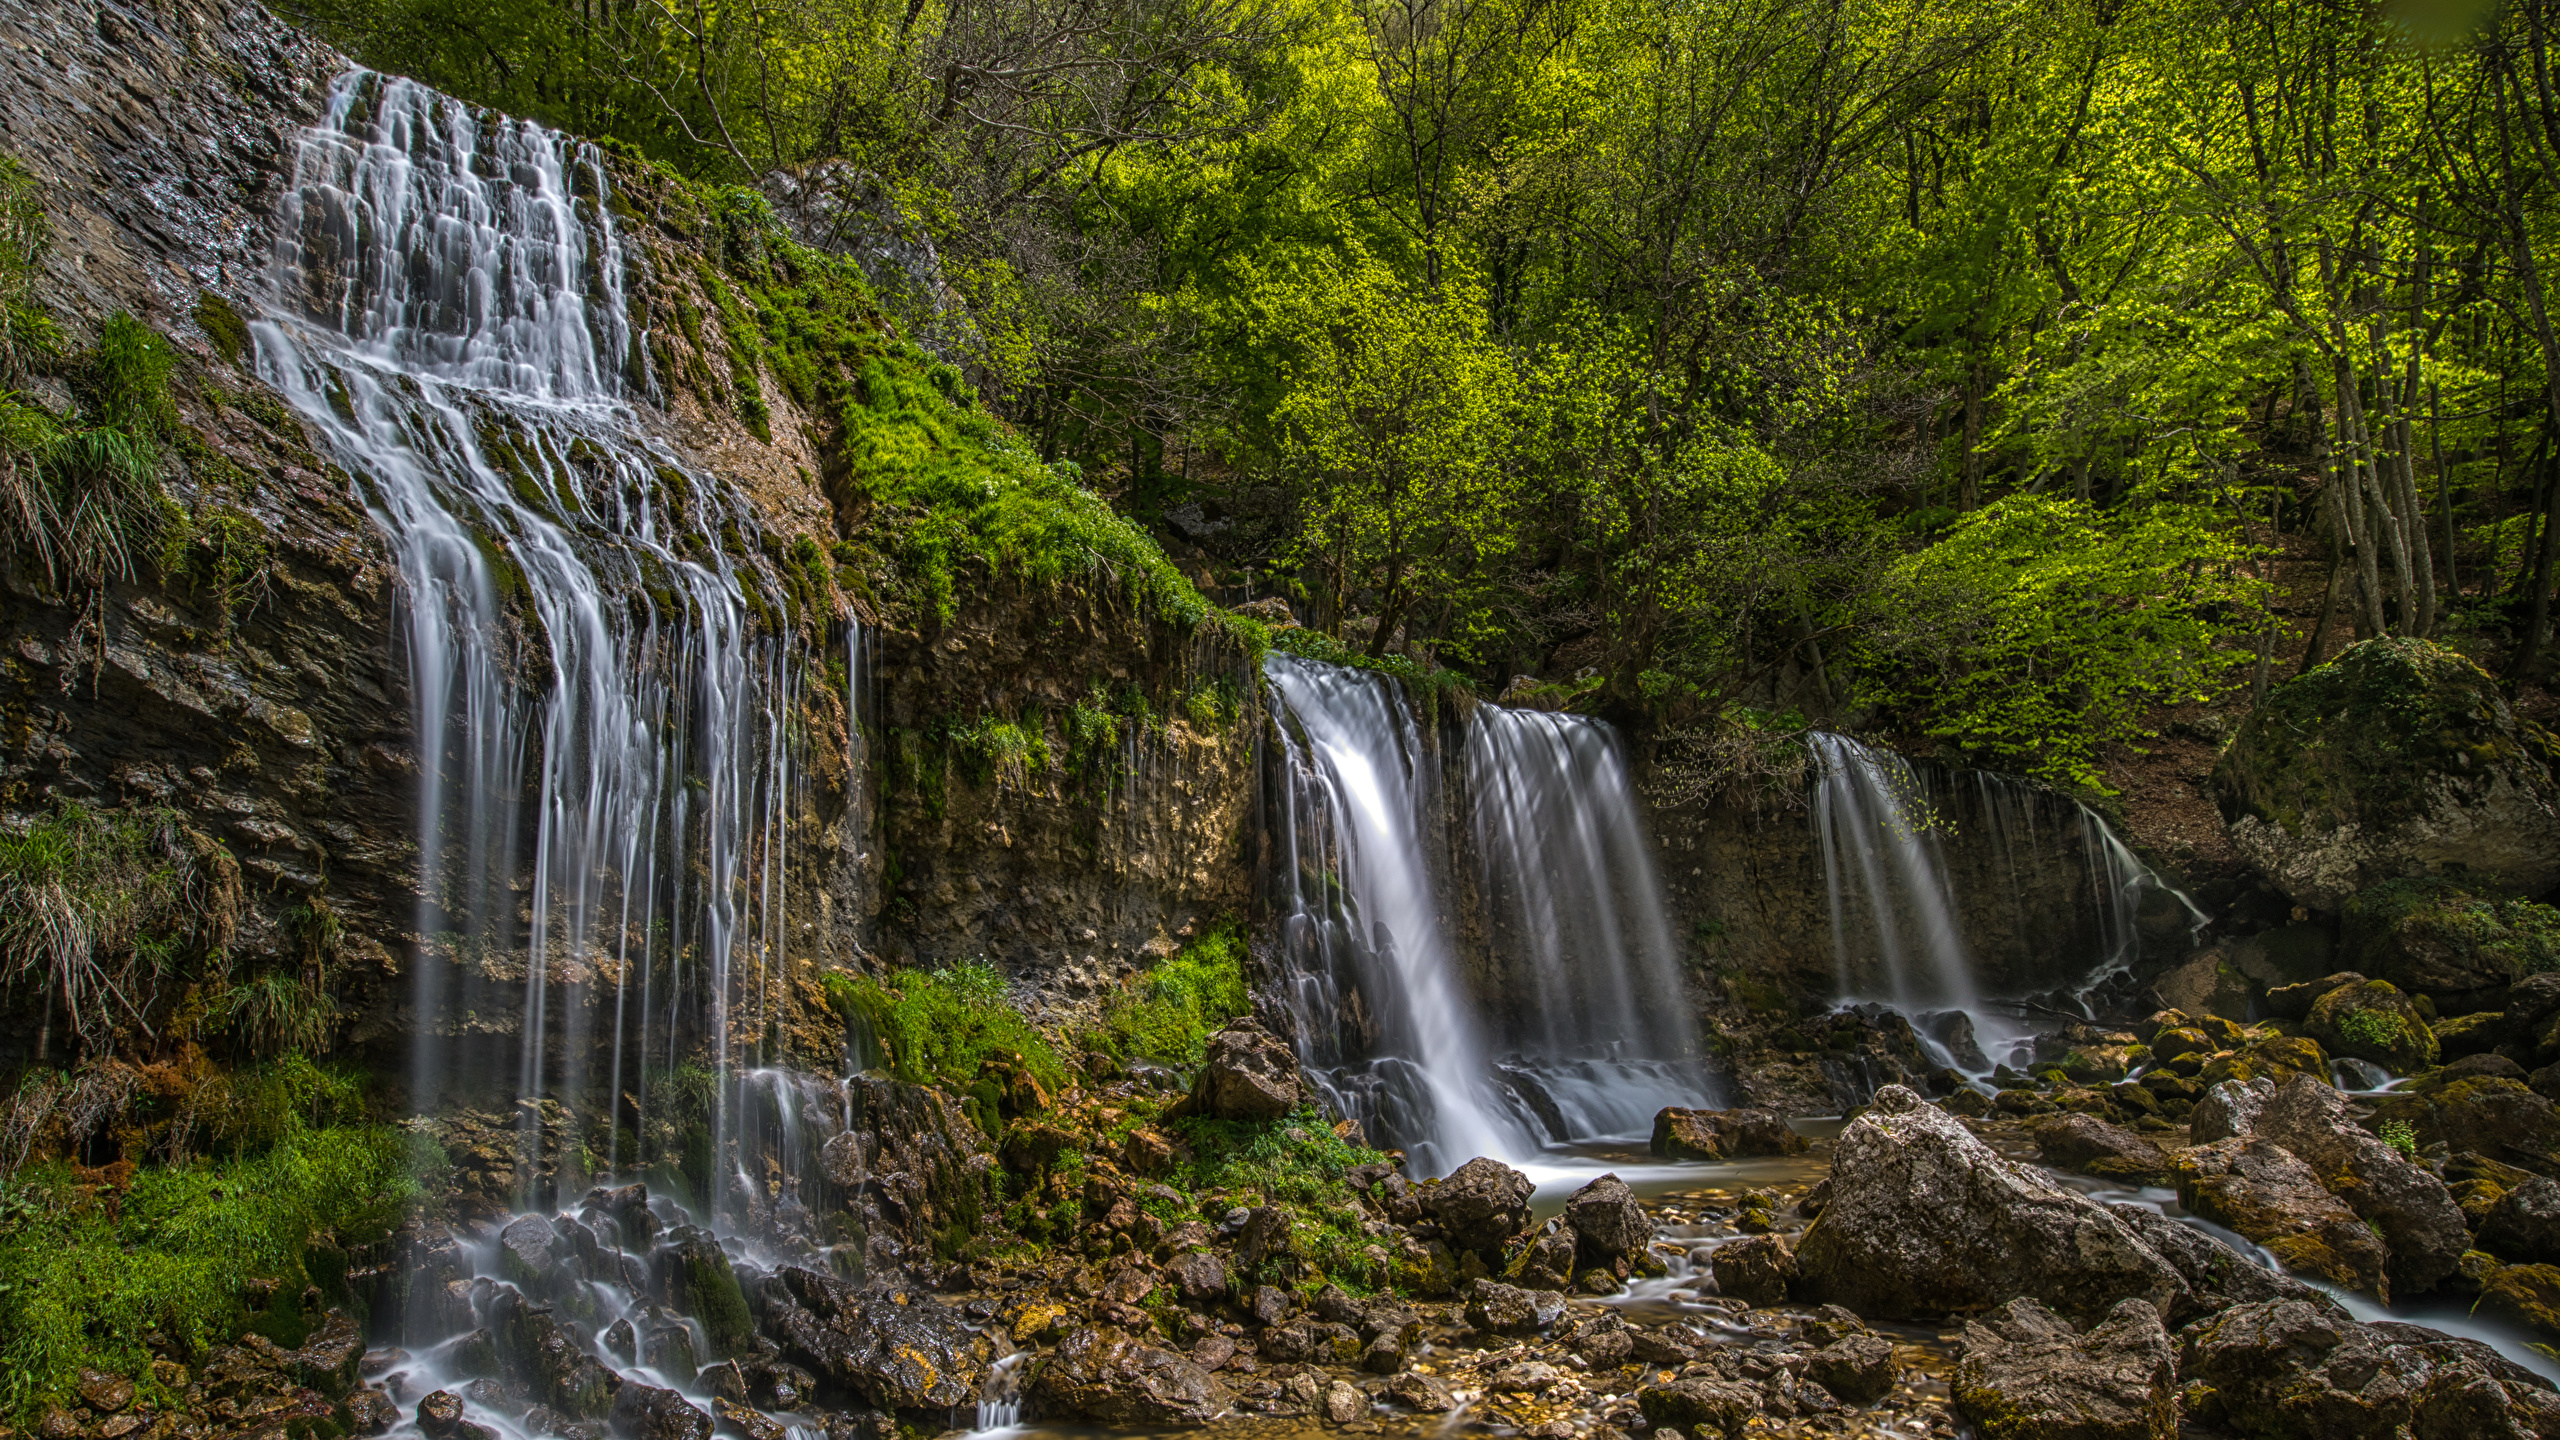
[(1896, 933), (605, 774)]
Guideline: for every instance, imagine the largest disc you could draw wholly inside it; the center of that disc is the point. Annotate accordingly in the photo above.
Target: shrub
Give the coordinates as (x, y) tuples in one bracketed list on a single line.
[(96, 904), (942, 1026), (1170, 1015)]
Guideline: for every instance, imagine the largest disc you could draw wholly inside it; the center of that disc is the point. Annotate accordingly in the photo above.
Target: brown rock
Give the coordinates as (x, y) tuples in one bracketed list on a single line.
[(2261, 1190), (1722, 1134)]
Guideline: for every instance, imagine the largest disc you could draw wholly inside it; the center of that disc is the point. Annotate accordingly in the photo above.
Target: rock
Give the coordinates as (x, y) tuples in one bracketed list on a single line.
[(2024, 1374), (2217, 1276), (1248, 1074), (2412, 1209), (107, 1394), (2478, 1033), (524, 1253), (919, 1355), (1213, 1352), (2258, 1188), (2093, 1147), (2228, 1109), (1757, 1270), (1701, 1407), (2205, 983), (370, 1412), (1480, 1205), (1608, 1219), (439, 1412), (1924, 1219), (1199, 1276), (2437, 938), (668, 1349), (330, 1361), (635, 1227), (1510, 1310), (1723, 1134), (2275, 1058), (1343, 1402), (1102, 1375), (2476, 1107), (536, 1351), (1270, 1305), (731, 1418), (2286, 1370), (2398, 758), (692, 1272), (1420, 1393), (1546, 1262), (2373, 1021), (645, 1412), (1856, 1368), (2523, 1226), (2293, 1002), (2526, 1294)]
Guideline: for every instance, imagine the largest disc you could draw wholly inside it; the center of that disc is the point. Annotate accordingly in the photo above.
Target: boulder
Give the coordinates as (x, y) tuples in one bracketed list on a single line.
[(2373, 1021), (2275, 1058), (2217, 1276), (2025, 1374), (536, 1351), (1420, 1393), (2205, 983), (2523, 1225), (1247, 1074), (2259, 1189), (1757, 1270), (2437, 938), (2528, 1295), (2293, 1002), (1607, 1219), (1199, 1276), (2398, 758), (330, 1360), (645, 1412), (692, 1273), (2460, 1036), (2288, 1370), (1509, 1310), (1102, 1375), (1546, 1262), (1856, 1368), (1723, 1134), (899, 1351), (1480, 1205), (2412, 1208), (2478, 1108), (2228, 1109), (2093, 1147), (1701, 1407), (1924, 1219)]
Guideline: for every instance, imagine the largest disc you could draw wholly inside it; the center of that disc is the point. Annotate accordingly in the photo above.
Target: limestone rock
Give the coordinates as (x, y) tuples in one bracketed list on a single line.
[(2258, 1188), (2523, 1227), (1607, 1217), (2286, 1370), (1723, 1134), (1701, 1407), (2093, 1147), (1856, 1368), (1758, 1270), (1248, 1074), (2373, 1021), (1102, 1375), (2025, 1374), (2437, 938), (1925, 1219), (1423, 1394), (2412, 1209), (2399, 758), (2228, 1109), (1480, 1205), (1546, 1262)]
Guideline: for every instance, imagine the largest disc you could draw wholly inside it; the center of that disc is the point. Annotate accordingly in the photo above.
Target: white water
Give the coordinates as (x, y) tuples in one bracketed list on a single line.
[(594, 712)]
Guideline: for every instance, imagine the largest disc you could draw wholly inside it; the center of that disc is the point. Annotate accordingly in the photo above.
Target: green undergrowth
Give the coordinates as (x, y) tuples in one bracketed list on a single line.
[(1296, 1163), (88, 1274), (1170, 1014), (96, 903), (943, 1026)]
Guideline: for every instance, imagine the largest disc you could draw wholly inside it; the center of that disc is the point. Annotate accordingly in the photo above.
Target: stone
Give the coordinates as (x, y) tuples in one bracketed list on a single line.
[(2478, 1033), (2526, 1294), (1343, 1402), (1856, 1368), (2289, 1370), (730, 1418), (1546, 1262), (107, 1394), (1420, 1393), (692, 1273), (2259, 1189), (1103, 1375), (1925, 1219), (2373, 1021), (1270, 1305), (1480, 1205), (1608, 1219), (2412, 1208), (1248, 1073), (330, 1361), (2435, 937), (1199, 1276), (2398, 758), (2205, 984), (2523, 1225), (1723, 1134), (916, 1355), (2093, 1147), (536, 1351), (2023, 1373), (1509, 1310), (2217, 1276), (2480, 1105), (439, 1412), (1757, 1270), (2275, 1058), (1701, 1407), (370, 1412), (2228, 1109), (668, 1349), (627, 1206), (2293, 1002), (645, 1412), (525, 1252)]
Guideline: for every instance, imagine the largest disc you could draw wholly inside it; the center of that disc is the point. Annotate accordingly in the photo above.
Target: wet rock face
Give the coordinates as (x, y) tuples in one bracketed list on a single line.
[(1103, 1375), (1723, 1134), (896, 1349), (2026, 1374), (1249, 1074), (2397, 759), (1480, 1205), (645, 1412), (1923, 1219)]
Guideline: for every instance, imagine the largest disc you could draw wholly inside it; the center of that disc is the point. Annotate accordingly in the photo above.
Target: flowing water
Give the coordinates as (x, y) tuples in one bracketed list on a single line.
[(606, 779)]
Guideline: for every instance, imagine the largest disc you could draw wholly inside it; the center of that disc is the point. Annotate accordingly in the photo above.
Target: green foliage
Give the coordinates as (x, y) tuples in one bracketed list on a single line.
[(85, 1276), (1003, 751), (1170, 1015), (2040, 629), (1296, 1163), (2400, 1135), (2429, 915), (26, 236), (95, 904), (2380, 1029), (942, 1026)]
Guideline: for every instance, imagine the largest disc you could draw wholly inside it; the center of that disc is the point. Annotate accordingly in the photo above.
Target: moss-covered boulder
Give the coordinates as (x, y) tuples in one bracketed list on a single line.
[(2271, 1057), (2491, 1114), (2373, 1021), (2399, 758), (2437, 938)]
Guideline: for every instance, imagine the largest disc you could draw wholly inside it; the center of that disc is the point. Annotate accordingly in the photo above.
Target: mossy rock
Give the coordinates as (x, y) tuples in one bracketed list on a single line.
[(2274, 1057), (2435, 937), (2489, 1114), (2397, 759), (2373, 1021), (2527, 1294)]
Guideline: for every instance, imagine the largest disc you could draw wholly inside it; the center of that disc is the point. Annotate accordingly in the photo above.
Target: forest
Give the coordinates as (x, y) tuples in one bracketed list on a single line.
[(1970, 367)]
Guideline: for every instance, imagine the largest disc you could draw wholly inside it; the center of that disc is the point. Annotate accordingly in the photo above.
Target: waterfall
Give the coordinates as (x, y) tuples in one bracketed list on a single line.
[(1605, 1036), (1384, 1023), (1897, 936), (605, 775)]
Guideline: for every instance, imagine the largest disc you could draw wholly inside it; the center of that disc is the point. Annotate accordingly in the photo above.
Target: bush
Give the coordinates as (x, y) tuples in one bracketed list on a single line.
[(85, 1274), (1170, 1015), (942, 1026)]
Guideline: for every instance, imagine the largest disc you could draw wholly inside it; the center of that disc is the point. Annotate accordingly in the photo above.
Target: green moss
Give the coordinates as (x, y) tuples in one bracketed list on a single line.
[(223, 327), (713, 1296), (1169, 1017), (943, 1026), (1296, 1163)]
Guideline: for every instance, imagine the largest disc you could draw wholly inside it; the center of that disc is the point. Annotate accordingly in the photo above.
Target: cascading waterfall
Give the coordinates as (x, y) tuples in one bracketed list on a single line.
[(1605, 1038), (1384, 1023), (1896, 936), (594, 712)]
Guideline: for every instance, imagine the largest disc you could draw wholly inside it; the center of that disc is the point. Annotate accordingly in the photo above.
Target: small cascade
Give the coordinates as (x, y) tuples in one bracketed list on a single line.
[(606, 777), (1898, 937), (1383, 1021), (1604, 1036)]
